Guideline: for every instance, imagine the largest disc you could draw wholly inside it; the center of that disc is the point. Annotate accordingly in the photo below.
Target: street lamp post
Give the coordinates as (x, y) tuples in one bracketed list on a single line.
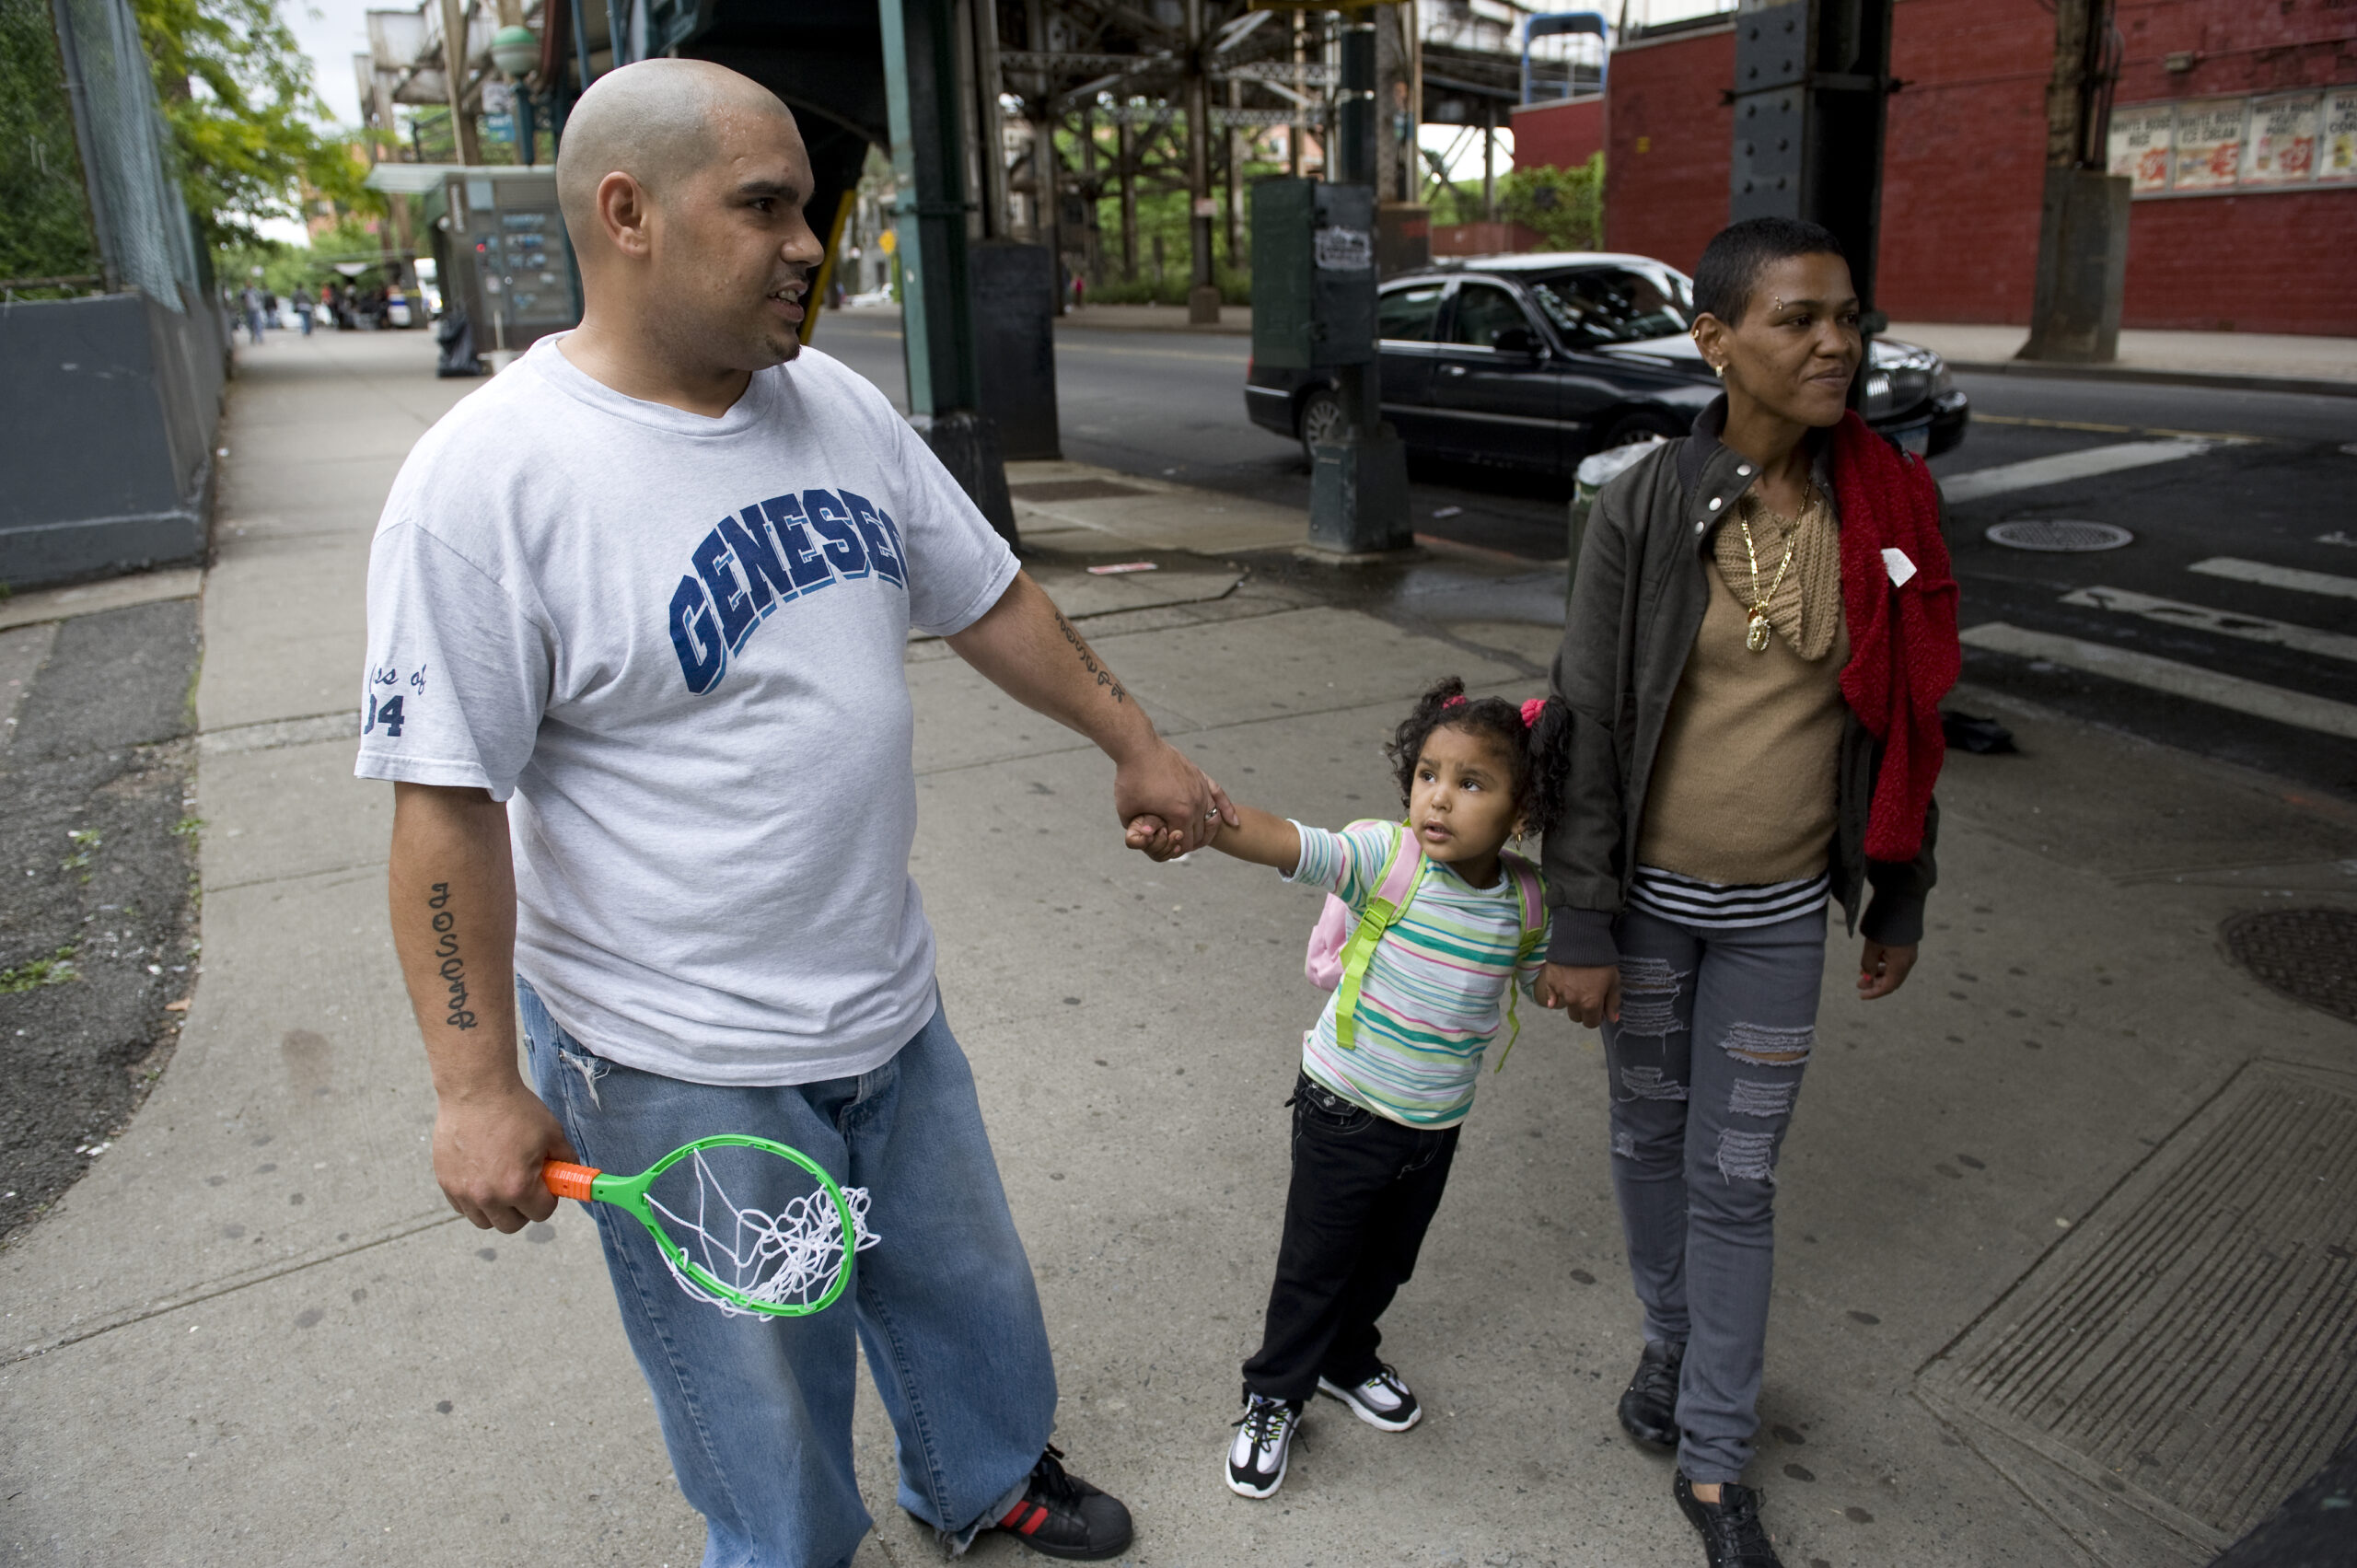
[(516, 51)]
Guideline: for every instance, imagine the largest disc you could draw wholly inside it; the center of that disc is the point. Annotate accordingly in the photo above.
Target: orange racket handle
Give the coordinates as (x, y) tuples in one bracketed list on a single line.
[(569, 1180)]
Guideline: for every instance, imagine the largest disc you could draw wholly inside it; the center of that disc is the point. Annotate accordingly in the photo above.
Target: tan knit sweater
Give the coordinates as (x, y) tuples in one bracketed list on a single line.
[(1743, 789)]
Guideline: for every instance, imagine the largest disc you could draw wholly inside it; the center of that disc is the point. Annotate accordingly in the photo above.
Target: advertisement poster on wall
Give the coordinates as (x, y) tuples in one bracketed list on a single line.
[(2281, 149), (2209, 143), (2140, 145), (2337, 154)]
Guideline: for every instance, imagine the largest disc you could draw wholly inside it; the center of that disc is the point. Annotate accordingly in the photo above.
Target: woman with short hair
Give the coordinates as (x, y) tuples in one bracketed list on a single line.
[(1761, 627)]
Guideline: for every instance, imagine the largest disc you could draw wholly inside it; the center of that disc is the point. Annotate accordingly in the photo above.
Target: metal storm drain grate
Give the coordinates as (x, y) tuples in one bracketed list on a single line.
[(1074, 490), (2059, 534), (2191, 1346), (2308, 954)]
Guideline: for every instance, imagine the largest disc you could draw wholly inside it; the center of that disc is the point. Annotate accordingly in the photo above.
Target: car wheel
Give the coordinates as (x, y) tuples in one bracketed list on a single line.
[(1643, 425), (1322, 422)]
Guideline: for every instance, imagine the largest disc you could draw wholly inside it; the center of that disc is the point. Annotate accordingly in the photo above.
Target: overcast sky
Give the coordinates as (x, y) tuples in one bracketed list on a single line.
[(331, 32)]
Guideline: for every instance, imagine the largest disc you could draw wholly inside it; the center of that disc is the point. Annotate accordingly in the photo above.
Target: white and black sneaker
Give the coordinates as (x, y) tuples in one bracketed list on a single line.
[(1256, 1460), (1384, 1401)]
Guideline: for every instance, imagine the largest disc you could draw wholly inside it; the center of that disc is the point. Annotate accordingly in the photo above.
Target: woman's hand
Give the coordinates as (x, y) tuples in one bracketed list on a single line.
[(1882, 970), (1591, 995)]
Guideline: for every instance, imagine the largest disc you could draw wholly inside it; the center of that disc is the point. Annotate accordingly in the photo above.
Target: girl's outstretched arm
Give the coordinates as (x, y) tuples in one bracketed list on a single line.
[(1258, 837)]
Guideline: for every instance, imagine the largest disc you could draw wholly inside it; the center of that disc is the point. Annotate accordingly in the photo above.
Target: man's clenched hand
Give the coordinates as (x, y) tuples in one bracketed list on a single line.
[(487, 1154), (1166, 804)]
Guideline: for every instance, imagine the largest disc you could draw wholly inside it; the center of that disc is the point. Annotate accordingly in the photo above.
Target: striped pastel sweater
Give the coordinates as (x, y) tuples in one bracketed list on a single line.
[(1434, 994)]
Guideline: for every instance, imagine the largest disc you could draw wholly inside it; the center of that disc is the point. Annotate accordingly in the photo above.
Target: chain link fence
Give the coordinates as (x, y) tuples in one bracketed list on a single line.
[(85, 171)]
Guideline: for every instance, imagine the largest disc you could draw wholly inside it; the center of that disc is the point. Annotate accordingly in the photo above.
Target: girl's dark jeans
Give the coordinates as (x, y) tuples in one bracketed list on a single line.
[(1363, 1191)]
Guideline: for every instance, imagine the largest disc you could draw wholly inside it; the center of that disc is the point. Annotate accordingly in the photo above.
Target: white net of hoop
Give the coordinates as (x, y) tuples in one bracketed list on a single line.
[(791, 1257)]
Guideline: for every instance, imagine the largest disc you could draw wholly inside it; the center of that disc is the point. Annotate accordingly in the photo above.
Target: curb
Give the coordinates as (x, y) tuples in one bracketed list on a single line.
[(2219, 381), (1224, 330)]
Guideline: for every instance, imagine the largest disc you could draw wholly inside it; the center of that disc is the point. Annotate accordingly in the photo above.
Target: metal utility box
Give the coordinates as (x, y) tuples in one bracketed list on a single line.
[(1313, 274), (506, 259), (1014, 349)]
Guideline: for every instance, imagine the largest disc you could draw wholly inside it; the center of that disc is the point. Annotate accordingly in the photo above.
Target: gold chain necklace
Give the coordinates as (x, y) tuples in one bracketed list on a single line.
[(1755, 631)]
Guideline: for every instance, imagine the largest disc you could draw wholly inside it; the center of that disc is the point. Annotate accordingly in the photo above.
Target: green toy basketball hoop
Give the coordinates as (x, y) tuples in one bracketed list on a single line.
[(786, 1262)]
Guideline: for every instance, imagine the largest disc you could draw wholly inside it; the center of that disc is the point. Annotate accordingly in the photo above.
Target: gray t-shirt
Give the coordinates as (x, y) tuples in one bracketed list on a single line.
[(675, 645)]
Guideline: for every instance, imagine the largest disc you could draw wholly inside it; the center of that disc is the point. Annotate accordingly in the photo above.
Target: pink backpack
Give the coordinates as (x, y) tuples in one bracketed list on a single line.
[(1342, 942)]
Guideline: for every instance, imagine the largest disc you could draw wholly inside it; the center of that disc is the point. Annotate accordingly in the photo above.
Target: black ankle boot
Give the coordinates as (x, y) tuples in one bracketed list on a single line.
[(1732, 1536), (1649, 1408)]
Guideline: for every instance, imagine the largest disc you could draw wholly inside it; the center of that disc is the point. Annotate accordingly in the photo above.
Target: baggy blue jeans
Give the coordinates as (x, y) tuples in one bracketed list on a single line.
[(757, 1411), (1715, 1029)]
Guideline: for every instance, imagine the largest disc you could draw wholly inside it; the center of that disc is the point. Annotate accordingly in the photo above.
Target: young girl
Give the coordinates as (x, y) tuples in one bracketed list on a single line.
[(1375, 1122)]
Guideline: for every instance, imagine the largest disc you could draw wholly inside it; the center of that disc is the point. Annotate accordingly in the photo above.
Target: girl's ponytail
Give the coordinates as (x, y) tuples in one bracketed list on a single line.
[(1547, 749)]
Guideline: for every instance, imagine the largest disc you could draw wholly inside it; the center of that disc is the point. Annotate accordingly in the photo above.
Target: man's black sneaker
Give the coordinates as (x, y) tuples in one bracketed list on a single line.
[(1732, 1534), (1063, 1516), (1256, 1460), (1649, 1408), (1384, 1401)]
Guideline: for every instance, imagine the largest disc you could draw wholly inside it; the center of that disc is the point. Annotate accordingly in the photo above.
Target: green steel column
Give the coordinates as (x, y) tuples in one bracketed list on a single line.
[(923, 94), (929, 213)]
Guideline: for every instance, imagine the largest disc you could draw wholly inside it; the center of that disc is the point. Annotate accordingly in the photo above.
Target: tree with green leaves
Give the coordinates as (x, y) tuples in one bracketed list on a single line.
[(46, 232), (246, 120), (1563, 207)]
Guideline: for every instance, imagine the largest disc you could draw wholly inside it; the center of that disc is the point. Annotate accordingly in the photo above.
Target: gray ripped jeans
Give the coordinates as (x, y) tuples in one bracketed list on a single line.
[(1715, 1029)]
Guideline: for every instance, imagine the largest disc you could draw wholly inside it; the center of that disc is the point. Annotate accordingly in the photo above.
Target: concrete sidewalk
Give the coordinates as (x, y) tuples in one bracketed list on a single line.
[(255, 1335), (2280, 362)]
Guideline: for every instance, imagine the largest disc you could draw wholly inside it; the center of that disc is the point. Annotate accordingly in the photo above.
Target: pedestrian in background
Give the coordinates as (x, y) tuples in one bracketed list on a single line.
[(250, 302), (1761, 627), (303, 310)]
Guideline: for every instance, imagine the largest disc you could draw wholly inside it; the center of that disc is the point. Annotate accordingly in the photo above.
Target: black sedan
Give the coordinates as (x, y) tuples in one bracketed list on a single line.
[(1536, 361)]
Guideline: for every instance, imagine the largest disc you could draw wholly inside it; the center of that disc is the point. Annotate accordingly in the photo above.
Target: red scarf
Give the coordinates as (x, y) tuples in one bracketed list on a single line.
[(1903, 651)]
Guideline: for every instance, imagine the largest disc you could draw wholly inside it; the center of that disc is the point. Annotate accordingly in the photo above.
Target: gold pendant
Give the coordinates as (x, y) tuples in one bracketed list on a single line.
[(1756, 639)]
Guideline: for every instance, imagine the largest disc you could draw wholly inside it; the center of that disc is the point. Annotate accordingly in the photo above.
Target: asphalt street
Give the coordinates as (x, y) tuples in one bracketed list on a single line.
[(2226, 624)]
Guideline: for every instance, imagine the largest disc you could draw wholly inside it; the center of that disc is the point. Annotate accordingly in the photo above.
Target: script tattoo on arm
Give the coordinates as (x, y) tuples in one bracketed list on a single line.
[(1105, 678), (454, 966)]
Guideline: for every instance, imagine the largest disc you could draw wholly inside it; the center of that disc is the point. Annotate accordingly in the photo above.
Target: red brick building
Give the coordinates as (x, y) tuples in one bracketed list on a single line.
[(2238, 119), (1564, 135)]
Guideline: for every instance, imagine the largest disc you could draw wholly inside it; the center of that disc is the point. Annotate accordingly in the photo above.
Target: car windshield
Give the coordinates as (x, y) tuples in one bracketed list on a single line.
[(1613, 305)]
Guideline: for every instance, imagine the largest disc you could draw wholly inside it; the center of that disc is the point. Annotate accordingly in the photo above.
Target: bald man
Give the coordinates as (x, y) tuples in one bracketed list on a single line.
[(637, 616)]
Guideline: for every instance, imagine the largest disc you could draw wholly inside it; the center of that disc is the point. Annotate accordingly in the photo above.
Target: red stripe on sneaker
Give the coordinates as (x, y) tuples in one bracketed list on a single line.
[(1031, 1525)]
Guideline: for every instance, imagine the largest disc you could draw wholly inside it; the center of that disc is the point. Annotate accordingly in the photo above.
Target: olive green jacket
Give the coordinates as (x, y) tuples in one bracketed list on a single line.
[(1638, 596)]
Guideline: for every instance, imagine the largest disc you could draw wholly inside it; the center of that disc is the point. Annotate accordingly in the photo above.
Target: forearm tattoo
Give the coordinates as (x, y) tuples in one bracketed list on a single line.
[(454, 967), (1105, 678)]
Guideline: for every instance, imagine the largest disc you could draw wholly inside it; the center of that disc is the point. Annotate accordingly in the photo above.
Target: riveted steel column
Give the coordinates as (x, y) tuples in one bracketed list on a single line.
[(1812, 79)]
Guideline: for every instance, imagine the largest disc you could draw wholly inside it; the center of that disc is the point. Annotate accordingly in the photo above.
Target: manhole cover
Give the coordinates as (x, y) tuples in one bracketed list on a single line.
[(1074, 490), (2059, 534), (2308, 954), (2191, 1346)]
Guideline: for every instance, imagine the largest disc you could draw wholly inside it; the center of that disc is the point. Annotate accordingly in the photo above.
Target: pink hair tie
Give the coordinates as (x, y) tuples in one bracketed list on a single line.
[(1455, 702), (1531, 710)]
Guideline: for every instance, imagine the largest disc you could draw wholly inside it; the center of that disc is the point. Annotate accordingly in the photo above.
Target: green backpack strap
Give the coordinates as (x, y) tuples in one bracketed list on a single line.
[(1531, 896), (1386, 903)]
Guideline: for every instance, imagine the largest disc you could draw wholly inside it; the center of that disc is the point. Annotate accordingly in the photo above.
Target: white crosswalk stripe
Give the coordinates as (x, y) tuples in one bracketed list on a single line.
[(2171, 676), (2065, 467), (2200, 617), (2267, 576)]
